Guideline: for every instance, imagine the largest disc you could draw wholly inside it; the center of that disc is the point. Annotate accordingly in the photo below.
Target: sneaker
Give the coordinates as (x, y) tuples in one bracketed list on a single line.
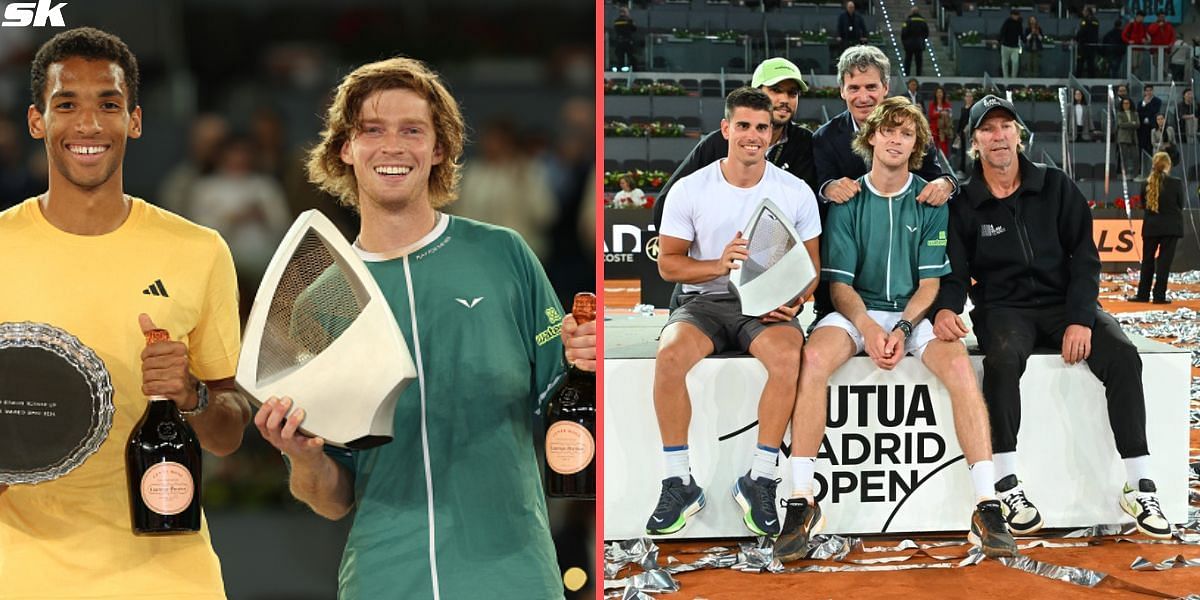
[(1022, 516), (989, 530), (676, 503), (757, 499), (1136, 299), (802, 521), (1142, 505)]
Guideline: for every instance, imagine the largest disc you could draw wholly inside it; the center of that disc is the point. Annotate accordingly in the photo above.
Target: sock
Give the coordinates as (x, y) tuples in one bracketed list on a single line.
[(983, 477), (763, 464), (1005, 464), (1137, 469), (677, 463), (804, 469)]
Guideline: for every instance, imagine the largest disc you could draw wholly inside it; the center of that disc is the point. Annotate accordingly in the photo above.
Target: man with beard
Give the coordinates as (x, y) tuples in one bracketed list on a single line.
[(791, 144), (1020, 243)]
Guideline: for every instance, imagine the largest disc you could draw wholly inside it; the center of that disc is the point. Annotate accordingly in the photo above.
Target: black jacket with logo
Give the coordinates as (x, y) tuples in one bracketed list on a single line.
[(795, 156), (1031, 250)]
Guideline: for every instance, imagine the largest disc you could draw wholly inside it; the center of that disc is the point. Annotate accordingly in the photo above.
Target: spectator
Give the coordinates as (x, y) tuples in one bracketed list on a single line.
[(1162, 137), (629, 196), (1034, 41), (963, 136), (1010, 45), (207, 135), (1161, 230), (913, 95), (507, 187), (16, 182), (1147, 110), (1087, 40), (1162, 37), (1114, 49), (1135, 34), (1186, 112), (940, 121), (622, 41), (1079, 122), (1180, 58), (1122, 92), (1127, 137), (914, 34), (851, 28)]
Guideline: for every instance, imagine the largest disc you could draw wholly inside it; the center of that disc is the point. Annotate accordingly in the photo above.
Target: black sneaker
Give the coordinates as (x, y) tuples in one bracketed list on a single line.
[(801, 521), (989, 530), (757, 499), (676, 503), (1022, 516)]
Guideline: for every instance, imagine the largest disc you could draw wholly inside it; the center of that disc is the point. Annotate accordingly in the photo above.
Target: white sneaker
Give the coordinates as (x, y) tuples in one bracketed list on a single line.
[(1022, 516), (1142, 505)]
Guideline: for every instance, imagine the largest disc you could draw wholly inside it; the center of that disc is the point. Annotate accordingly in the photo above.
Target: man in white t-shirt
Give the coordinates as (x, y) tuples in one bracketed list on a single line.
[(700, 241)]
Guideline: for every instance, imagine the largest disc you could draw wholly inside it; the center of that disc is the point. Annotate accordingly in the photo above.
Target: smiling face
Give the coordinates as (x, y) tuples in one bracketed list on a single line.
[(393, 150), (86, 123), (785, 97), (893, 144), (997, 139), (749, 133), (863, 90)]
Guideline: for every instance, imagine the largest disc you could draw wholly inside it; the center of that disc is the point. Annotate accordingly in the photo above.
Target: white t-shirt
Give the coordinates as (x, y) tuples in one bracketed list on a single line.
[(708, 211), (634, 198)]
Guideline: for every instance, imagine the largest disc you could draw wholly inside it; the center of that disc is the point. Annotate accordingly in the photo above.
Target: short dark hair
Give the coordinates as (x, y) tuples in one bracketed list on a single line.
[(86, 43), (746, 97), (1140, 13)]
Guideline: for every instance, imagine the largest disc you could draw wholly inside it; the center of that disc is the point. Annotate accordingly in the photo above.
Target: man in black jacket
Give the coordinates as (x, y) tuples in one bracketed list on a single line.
[(623, 29), (1087, 39), (913, 35), (1114, 50), (852, 29), (863, 72), (1023, 232), (791, 144), (1010, 44)]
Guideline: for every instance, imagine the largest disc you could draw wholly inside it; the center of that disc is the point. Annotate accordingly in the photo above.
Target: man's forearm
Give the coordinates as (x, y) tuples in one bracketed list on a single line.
[(920, 302), (219, 428), (685, 269), (847, 302), (324, 486)]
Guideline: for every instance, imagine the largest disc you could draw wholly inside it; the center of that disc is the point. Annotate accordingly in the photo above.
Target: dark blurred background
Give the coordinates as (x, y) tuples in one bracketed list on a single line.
[(232, 95)]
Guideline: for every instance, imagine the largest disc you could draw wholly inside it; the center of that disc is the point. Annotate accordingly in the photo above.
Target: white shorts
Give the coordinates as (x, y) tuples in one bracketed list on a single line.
[(922, 332)]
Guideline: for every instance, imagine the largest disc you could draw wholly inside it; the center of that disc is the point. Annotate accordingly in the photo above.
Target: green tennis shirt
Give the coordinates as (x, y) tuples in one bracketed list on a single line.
[(453, 506), (884, 245)]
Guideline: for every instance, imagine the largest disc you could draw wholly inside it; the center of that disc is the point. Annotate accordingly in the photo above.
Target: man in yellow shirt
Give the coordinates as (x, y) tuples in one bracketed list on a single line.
[(82, 253)]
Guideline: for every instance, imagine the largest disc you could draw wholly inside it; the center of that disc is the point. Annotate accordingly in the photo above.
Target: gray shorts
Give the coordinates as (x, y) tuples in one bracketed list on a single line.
[(719, 316)]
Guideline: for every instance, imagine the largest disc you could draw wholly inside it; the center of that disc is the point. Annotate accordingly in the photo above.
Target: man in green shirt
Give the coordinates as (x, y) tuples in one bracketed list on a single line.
[(453, 506), (881, 294)]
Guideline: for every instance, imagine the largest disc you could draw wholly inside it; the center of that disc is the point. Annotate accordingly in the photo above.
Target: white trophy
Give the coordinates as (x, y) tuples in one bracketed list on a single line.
[(778, 267), (321, 332)]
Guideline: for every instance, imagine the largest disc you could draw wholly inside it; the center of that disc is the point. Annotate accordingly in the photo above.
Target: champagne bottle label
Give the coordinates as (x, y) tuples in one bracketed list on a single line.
[(167, 488), (569, 447)]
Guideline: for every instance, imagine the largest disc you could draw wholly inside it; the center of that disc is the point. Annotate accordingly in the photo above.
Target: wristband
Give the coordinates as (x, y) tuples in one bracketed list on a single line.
[(905, 327)]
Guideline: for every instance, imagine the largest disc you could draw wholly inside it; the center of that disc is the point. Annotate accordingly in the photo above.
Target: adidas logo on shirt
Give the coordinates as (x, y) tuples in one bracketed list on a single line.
[(156, 289)]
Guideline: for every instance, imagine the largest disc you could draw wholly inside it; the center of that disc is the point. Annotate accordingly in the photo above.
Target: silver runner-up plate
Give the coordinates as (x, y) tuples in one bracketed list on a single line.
[(778, 267), (56, 402)]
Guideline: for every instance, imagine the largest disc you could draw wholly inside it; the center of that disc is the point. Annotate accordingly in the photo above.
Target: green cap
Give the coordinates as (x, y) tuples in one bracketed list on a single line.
[(774, 70)]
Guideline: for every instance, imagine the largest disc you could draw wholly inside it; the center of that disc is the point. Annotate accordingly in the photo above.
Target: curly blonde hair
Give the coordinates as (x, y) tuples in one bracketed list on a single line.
[(344, 119), (1161, 163), (893, 112)]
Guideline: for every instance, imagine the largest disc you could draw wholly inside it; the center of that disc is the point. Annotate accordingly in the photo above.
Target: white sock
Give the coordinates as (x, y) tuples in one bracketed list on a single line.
[(983, 477), (1005, 464), (677, 463), (1137, 469), (763, 463), (804, 469)]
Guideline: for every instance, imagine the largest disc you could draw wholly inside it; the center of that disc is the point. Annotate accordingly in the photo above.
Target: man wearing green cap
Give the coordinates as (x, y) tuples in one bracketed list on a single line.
[(791, 144)]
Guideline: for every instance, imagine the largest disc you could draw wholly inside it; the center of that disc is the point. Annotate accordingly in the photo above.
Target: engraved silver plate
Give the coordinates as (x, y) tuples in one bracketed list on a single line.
[(778, 268), (56, 402)]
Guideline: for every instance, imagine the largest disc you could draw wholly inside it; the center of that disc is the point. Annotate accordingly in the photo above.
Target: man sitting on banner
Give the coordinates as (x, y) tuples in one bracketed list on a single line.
[(1023, 233), (700, 242), (883, 255)]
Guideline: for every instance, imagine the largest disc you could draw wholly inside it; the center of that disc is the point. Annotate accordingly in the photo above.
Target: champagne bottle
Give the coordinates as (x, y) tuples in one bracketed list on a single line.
[(571, 430), (162, 460)]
